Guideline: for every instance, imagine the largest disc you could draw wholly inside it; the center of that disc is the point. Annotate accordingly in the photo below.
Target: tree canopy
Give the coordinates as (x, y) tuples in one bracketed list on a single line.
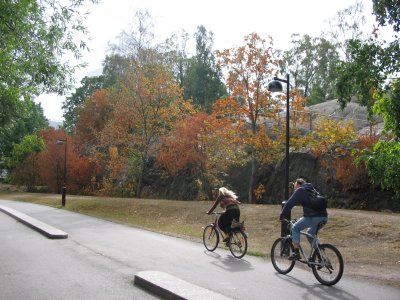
[(30, 119), (203, 79), (35, 36)]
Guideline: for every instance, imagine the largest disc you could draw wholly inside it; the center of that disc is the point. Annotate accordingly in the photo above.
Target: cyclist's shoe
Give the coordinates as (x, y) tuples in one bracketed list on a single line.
[(295, 256), (226, 240)]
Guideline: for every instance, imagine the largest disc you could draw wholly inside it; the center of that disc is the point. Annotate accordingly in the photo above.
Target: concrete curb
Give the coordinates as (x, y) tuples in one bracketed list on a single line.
[(47, 230), (170, 287)]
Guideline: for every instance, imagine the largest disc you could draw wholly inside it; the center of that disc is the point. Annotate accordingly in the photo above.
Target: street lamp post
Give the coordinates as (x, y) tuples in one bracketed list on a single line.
[(64, 187), (276, 86)]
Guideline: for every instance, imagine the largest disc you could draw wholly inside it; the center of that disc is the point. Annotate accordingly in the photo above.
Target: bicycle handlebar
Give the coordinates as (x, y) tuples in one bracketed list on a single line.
[(290, 223)]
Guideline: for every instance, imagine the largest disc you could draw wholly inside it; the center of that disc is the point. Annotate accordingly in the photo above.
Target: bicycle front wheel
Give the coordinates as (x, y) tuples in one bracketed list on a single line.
[(281, 249), (210, 237), (329, 266), (238, 244)]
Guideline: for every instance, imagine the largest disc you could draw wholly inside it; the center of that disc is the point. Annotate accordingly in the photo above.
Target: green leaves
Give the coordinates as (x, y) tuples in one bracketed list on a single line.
[(30, 144), (203, 79), (34, 37), (387, 12), (28, 120), (388, 106), (383, 164)]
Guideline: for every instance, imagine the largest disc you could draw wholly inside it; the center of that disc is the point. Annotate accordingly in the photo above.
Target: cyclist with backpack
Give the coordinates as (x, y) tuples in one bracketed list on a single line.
[(314, 211)]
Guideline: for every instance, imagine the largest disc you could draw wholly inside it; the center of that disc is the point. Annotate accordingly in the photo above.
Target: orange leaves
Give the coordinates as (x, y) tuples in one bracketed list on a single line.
[(143, 108), (183, 146), (267, 147), (201, 142), (350, 175), (297, 108), (92, 119), (248, 68), (80, 169)]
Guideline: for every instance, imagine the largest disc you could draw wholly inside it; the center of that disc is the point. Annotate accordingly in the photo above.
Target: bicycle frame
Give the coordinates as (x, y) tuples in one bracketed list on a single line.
[(314, 245), (215, 223)]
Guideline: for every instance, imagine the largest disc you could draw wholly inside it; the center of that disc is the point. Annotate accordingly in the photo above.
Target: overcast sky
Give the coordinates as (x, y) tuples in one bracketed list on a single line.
[(229, 20)]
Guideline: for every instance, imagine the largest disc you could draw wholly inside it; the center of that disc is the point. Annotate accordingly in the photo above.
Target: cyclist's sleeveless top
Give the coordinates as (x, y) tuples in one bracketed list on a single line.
[(226, 201)]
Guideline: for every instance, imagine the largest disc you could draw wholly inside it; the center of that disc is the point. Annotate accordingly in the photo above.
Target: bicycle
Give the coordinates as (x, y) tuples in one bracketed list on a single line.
[(325, 260), (237, 242)]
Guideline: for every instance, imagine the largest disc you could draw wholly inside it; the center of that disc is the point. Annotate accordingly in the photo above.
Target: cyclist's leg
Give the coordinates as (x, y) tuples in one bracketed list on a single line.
[(222, 224), (225, 220), (233, 214), (302, 223), (314, 221)]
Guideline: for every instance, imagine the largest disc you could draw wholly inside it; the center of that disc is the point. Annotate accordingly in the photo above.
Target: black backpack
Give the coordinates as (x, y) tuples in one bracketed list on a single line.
[(316, 201)]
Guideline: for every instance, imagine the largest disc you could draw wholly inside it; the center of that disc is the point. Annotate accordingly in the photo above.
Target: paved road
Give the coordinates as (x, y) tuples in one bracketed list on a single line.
[(35, 267), (100, 259)]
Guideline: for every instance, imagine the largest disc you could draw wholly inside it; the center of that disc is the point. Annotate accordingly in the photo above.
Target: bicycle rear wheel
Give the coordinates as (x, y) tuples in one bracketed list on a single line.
[(329, 264), (281, 249), (238, 243), (210, 237)]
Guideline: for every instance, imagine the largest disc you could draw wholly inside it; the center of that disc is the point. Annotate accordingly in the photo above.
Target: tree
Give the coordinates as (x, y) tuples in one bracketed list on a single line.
[(352, 174), (387, 12), (92, 119), (51, 174), (34, 37), (202, 82), (175, 53), (182, 147), (300, 62), (312, 64), (143, 111), (383, 164), (330, 136), (249, 67), (371, 63), (369, 75), (23, 161), (81, 171), (30, 120), (363, 75), (74, 103), (136, 43), (115, 67), (207, 145), (388, 106), (345, 26)]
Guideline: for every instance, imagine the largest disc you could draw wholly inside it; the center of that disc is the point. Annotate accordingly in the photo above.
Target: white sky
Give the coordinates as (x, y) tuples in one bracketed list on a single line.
[(229, 20)]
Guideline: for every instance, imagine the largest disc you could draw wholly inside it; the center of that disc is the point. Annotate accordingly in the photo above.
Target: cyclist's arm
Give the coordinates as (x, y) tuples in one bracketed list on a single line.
[(294, 200), (214, 205)]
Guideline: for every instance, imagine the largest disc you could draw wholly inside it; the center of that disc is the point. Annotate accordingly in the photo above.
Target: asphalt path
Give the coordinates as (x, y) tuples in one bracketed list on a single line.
[(100, 259)]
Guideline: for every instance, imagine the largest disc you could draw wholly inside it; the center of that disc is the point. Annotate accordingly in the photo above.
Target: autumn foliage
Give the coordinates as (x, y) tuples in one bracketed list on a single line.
[(122, 129), (80, 170), (93, 117), (183, 147)]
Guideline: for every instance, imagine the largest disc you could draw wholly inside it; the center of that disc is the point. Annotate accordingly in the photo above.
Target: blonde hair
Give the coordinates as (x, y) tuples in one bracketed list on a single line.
[(224, 191)]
